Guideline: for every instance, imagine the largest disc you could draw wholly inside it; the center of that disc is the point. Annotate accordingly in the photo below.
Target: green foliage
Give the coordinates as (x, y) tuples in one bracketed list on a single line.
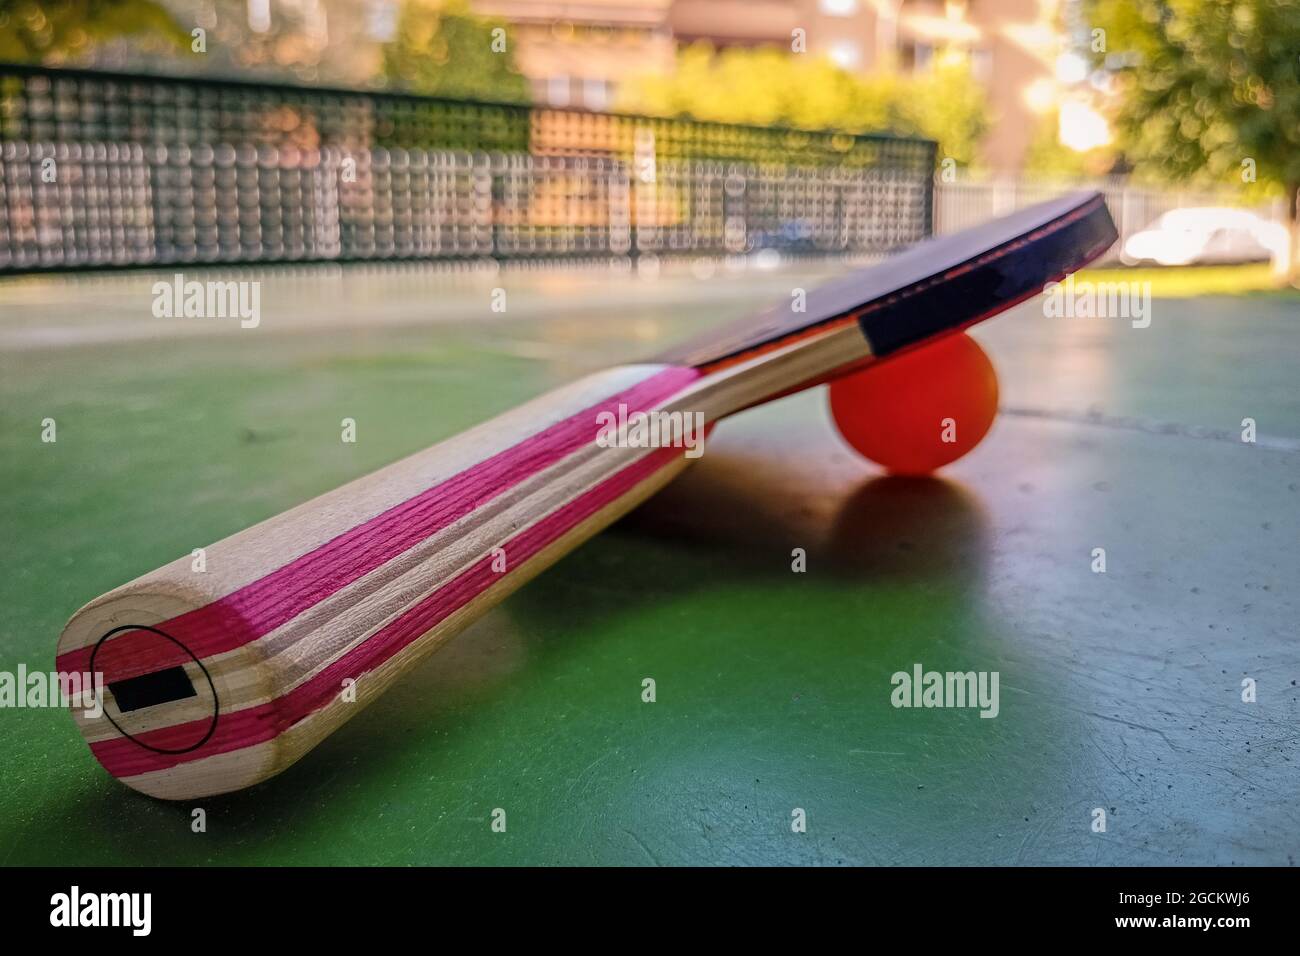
[(768, 86), (443, 49), (947, 105), (51, 31), (761, 86), (1212, 83)]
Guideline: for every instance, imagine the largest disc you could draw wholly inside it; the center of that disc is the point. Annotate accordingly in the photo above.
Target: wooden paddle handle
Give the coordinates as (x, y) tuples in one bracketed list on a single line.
[(223, 670)]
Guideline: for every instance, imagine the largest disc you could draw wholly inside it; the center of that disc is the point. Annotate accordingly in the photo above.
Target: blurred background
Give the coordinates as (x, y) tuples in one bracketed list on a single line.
[(1168, 106)]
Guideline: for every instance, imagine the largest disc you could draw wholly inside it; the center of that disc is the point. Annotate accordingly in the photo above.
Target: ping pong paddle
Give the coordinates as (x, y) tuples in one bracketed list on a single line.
[(219, 679)]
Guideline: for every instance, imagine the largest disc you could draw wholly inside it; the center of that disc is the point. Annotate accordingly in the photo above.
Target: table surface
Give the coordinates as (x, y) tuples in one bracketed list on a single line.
[(1120, 691)]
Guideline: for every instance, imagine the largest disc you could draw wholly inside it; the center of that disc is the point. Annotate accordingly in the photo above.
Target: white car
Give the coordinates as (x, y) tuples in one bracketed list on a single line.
[(1182, 237)]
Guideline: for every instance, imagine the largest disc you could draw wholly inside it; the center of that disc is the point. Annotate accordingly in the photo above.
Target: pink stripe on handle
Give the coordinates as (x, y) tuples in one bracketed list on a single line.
[(253, 725), (265, 604)]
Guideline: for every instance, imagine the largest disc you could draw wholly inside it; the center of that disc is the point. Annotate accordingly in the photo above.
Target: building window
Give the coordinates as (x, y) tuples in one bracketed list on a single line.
[(314, 20), (838, 8), (558, 91), (381, 20), (595, 94), (259, 15)]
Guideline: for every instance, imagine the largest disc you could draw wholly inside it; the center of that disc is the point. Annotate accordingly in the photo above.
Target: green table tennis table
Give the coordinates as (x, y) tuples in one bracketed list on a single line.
[(1120, 691)]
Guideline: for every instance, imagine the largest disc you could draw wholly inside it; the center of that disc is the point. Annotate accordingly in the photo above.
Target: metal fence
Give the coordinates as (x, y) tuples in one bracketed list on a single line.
[(103, 170), (960, 205)]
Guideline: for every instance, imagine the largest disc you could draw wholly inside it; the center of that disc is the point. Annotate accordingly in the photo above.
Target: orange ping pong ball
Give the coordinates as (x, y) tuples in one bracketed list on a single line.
[(917, 411)]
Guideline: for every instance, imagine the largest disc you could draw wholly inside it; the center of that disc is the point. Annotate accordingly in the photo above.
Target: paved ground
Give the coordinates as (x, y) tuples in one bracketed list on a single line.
[(1119, 690)]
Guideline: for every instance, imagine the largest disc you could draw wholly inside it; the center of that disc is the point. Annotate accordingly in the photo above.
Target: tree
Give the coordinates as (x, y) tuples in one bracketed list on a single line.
[(43, 31), (1210, 90), (770, 86), (761, 86), (947, 105), (443, 49)]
